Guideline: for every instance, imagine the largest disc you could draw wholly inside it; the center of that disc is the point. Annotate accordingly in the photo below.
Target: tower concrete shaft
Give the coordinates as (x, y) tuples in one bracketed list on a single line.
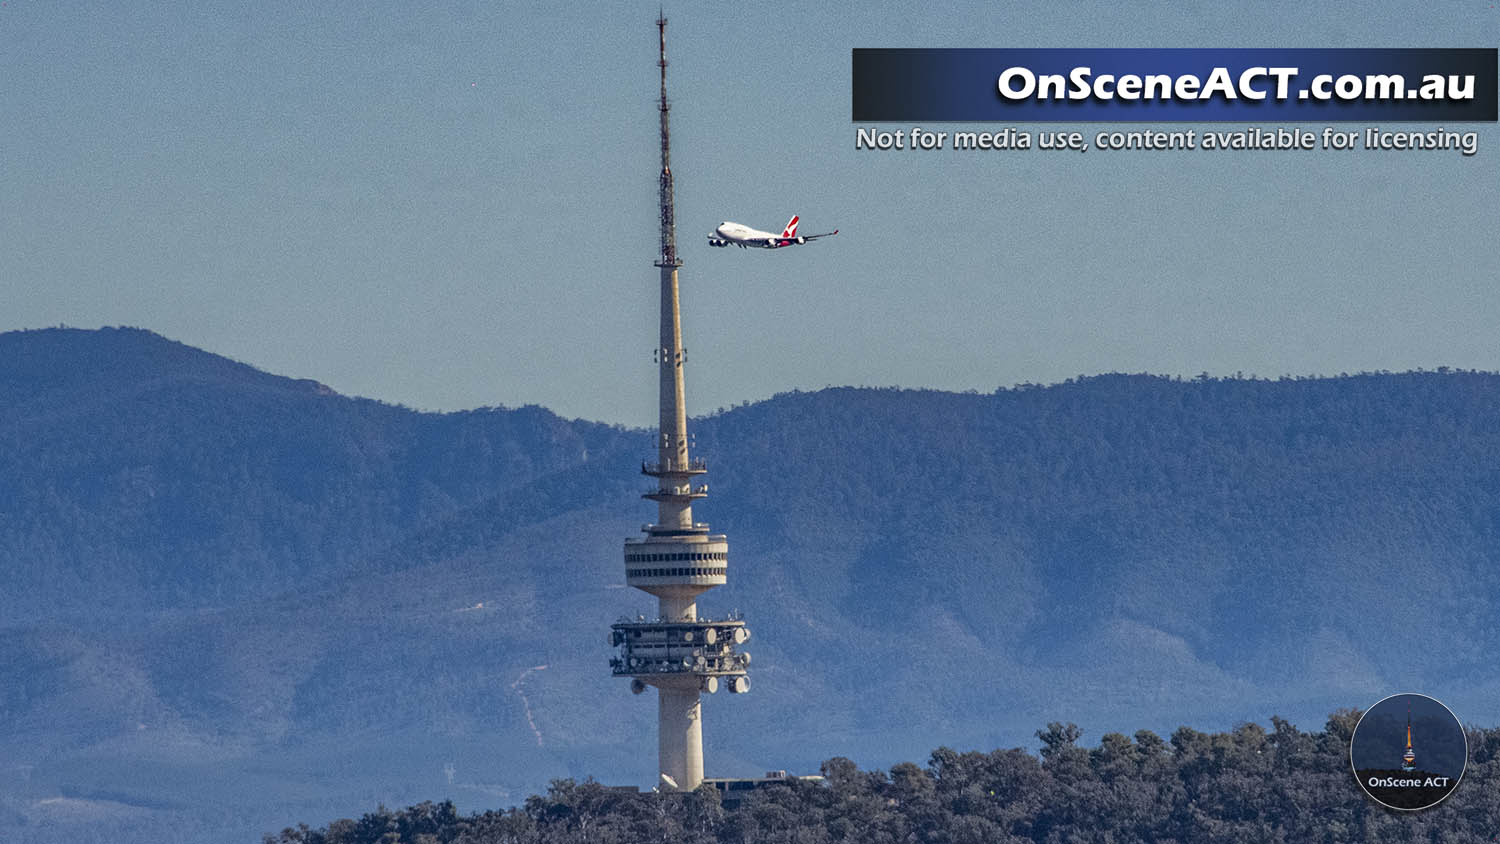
[(678, 559)]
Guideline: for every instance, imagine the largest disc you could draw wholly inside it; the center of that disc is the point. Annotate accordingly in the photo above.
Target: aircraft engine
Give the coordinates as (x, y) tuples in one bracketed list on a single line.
[(801, 240)]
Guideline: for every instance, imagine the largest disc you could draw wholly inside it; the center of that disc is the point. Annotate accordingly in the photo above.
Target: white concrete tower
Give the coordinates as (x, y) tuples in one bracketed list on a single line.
[(678, 652)]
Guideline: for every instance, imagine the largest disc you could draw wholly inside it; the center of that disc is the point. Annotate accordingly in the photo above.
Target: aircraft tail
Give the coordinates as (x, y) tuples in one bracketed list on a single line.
[(791, 227)]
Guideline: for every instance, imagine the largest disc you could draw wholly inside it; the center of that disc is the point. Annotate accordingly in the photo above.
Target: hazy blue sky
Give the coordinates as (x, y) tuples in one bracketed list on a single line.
[(456, 208)]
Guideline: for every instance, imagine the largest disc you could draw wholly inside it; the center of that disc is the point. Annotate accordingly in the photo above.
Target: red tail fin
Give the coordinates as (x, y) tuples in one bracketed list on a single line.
[(791, 227)]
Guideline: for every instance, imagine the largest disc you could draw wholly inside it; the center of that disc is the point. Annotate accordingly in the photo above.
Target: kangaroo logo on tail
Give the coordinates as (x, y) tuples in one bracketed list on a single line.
[(791, 227)]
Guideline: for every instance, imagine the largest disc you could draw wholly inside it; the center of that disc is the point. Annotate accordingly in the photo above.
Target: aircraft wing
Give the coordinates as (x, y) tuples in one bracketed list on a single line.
[(788, 241)]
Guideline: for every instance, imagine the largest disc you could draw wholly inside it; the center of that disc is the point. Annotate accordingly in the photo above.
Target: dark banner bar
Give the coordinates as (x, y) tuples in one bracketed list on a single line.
[(1152, 85)]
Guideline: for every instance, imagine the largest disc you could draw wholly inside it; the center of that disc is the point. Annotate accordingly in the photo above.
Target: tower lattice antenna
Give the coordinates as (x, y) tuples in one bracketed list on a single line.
[(668, 224)]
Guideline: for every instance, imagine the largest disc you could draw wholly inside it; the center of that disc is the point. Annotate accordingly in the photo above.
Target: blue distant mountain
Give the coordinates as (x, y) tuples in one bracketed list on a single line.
[(235, 601)]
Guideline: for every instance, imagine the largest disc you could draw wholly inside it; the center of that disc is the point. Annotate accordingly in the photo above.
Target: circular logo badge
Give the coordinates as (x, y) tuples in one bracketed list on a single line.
[(1408, 752)]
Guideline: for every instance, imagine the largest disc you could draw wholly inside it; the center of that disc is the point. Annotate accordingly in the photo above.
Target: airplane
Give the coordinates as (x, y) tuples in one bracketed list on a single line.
[(743, 236)]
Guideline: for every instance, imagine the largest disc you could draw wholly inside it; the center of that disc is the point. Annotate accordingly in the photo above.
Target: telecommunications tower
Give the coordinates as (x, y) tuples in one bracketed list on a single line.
[(678, 652)]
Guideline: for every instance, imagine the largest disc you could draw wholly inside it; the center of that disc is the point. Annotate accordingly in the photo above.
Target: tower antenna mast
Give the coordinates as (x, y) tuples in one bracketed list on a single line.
[(668, 224)]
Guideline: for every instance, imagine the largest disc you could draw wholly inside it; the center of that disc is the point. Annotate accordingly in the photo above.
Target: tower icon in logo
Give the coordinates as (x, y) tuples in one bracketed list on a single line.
[(1409, 758), (1391, 777)]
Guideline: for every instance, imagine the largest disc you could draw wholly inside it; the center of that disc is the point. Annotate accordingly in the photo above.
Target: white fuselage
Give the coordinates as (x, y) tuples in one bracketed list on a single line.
[(743, 236), (739, 234)]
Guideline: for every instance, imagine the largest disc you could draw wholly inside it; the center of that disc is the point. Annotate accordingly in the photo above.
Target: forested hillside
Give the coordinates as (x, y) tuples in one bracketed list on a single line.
[(142, 474), (234, 599), (1248, 784)]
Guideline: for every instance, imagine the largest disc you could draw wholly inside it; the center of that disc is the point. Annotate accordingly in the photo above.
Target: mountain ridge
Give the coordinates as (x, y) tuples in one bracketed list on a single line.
[(223, 576)]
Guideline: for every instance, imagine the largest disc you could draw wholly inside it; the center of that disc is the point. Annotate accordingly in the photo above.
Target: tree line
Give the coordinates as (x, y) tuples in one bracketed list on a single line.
[(1246, 784)]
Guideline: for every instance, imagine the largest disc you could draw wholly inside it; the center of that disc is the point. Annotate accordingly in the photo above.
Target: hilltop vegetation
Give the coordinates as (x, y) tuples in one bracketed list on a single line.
[(1249, 784)]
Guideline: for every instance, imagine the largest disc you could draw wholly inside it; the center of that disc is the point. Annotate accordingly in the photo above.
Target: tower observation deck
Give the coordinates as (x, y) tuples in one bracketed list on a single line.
[(679, 652)]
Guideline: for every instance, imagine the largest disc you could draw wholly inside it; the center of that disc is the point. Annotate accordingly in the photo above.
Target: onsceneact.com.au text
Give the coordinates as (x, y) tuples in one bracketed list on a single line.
[(1253, 83)]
